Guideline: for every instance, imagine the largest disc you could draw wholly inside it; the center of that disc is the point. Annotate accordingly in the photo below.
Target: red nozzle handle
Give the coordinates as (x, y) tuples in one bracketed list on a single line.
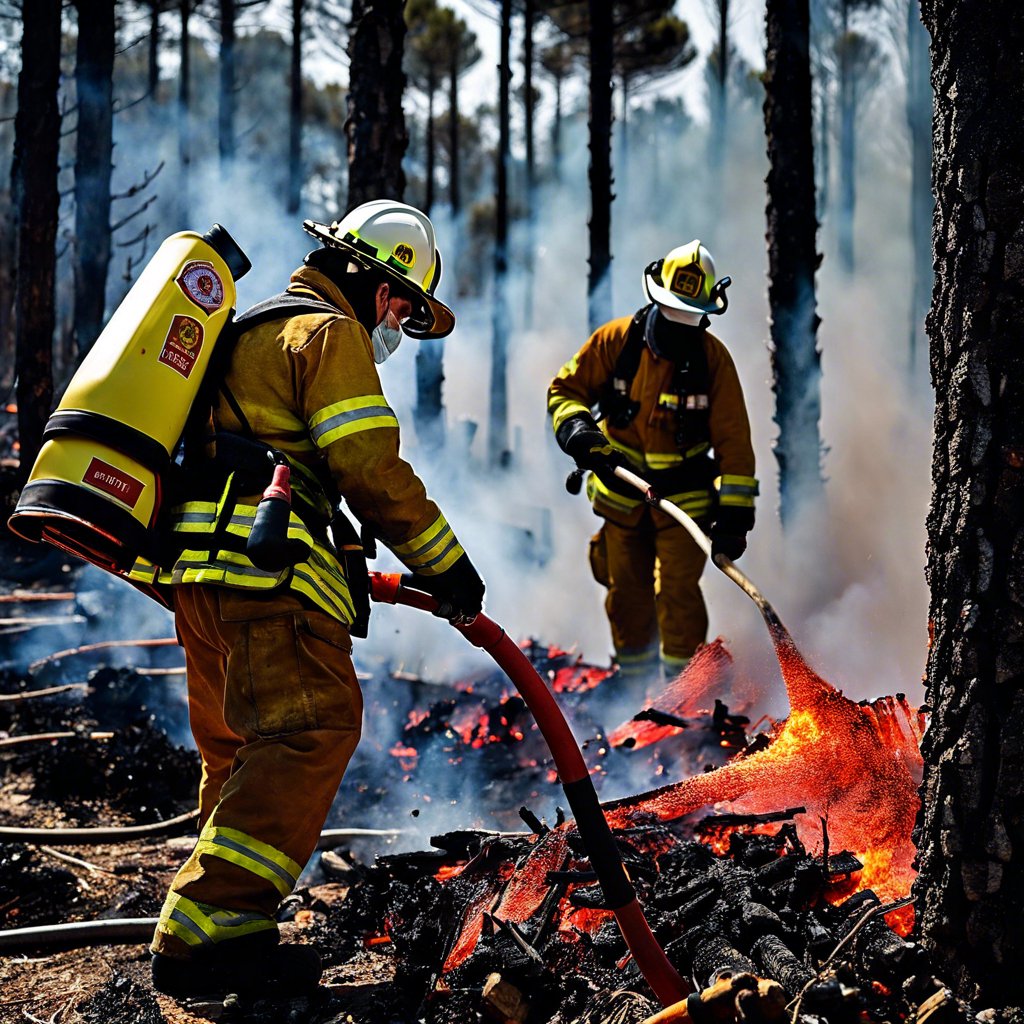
[(280, 484)]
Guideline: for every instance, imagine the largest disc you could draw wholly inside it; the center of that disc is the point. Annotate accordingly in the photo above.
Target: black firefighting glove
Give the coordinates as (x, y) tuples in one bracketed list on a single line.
[(729, 532), (580, 438), (459, 591)]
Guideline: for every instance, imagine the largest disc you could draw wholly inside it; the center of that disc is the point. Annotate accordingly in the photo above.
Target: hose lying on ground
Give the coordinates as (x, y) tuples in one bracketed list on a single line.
[(118, 931)]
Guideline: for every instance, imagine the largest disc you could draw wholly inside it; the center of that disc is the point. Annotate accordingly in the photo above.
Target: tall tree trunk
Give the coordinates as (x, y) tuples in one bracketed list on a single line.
[(922, 205), (719, 94), (94, 148), (792, 255), (847, 162), (295, 111), (823, 149), (970, 835), (428, 200), (226, 106), (497, 437), (454, 184), (184, 113), (428, 413), (529, 14), (153, 65), (377, 137), (599, 278), (36, 202)]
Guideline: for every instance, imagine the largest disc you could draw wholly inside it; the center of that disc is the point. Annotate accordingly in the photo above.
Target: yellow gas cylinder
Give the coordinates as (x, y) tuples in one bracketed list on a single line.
[(95, 489)]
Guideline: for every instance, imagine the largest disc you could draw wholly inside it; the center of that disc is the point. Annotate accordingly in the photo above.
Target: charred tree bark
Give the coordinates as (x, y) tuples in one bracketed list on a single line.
[(529, 17), (153, 63), (792, 255), (377, 137), (556, 131), (295, 111), (922, 205), (970, 835), (226, 106), (94, 150), (36, 202), (497, 437), (599, 283)]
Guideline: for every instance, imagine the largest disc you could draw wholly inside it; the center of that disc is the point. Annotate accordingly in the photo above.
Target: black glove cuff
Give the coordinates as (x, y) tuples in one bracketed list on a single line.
[(571, 427), (733, 520)]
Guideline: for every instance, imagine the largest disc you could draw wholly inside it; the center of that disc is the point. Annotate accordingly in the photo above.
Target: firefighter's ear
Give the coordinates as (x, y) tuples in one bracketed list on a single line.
[(382, 297)]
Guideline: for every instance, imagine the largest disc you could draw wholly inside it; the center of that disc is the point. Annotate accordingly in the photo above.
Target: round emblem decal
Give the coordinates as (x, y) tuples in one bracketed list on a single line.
[(202, 285), (405, 254)]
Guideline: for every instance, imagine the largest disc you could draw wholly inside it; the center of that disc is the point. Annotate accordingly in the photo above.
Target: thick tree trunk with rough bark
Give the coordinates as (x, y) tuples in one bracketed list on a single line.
[(36, 201), (497, 435), (922, 204), (970, 836), (226, 99), (94, 150), (599, 280), (792, 255), (377, 137), (295, 112)]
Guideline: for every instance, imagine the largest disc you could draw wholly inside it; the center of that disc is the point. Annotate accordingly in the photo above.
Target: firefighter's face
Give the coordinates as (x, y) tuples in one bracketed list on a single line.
[(399, 308)]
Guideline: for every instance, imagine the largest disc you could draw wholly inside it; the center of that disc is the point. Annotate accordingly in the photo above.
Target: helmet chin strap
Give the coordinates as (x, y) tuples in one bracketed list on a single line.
[(681, 316)]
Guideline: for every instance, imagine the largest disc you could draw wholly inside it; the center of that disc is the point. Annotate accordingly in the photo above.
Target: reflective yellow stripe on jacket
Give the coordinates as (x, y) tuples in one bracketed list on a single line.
[(251, 854), (434, 551), (343, 419), (737, 491), (697, 504)]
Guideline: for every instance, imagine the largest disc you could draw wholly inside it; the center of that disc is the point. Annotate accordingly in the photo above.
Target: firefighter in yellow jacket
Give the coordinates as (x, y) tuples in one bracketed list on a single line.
[(273, 698), (671, 408)]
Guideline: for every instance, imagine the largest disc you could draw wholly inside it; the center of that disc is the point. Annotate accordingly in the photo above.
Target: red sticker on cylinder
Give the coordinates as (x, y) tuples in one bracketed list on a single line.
[(182, 345), (114, 482), (202, 285)]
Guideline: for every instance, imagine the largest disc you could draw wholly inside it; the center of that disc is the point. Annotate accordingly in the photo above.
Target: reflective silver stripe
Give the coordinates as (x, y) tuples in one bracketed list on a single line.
[(253, 855), (226, 566), (744, 489), (408, 556), (195, 517), (452, 544), (341, 418), (186, 922), (326, 593)]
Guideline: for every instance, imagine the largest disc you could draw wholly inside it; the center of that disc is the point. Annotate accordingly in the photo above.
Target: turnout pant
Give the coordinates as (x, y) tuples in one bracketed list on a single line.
[(654, 603), (275, 709)]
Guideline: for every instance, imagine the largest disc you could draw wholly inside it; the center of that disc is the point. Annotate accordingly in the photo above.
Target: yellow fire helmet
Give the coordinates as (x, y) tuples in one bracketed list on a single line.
[(685, 280), (399, 240)]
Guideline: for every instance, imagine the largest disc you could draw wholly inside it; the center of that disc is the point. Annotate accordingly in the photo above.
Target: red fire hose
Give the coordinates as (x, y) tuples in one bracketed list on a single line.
[(619, 895)]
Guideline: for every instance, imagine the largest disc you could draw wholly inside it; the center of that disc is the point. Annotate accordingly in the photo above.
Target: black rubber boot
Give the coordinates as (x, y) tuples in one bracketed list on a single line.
[(253, 972)]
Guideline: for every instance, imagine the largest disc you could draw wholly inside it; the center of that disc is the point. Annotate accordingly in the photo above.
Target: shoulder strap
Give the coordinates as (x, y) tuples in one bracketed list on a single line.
[(280, 306), (614, 403)]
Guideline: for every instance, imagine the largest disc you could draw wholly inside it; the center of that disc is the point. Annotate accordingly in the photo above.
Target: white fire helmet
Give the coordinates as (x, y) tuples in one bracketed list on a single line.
[(685, 281), (399, 240)]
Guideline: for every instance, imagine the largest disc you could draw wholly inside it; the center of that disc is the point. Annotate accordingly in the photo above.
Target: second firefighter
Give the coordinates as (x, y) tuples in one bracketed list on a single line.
[(671, 408)]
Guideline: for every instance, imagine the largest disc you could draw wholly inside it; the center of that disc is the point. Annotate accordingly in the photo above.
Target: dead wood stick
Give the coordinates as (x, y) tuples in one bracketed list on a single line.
[(98, 836), (25, 596), (176, 671), (169, 641), (75, 861), (49, 691), (35, 621), (40, 737), (878, 908)]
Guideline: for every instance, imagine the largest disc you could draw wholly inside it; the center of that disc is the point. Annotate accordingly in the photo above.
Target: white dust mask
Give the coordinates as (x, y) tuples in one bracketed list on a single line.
[(386, 337)]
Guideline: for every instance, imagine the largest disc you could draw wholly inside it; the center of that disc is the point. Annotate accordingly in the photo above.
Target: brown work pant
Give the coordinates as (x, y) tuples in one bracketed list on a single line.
[(276, 710), (652, 572)]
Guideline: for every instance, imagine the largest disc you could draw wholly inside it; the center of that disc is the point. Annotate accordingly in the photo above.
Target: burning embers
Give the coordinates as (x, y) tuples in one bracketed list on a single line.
[(854, 767)]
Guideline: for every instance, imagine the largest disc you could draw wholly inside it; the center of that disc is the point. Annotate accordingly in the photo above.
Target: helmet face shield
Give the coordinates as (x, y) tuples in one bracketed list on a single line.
[(397, 240)]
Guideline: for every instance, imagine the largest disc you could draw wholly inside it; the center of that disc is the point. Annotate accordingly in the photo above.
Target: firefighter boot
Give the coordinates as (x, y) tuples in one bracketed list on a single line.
[(255, 967)]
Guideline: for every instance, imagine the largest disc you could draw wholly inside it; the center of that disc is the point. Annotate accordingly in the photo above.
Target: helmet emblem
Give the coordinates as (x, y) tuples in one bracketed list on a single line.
[(405, 254), (688, 281)]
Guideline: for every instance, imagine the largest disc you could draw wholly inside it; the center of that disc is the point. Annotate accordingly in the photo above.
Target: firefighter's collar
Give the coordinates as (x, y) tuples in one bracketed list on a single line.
[(323, 287)]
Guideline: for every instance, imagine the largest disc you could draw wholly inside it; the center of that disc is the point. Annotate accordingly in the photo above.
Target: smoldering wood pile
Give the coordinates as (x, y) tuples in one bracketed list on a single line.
[(762, 905)]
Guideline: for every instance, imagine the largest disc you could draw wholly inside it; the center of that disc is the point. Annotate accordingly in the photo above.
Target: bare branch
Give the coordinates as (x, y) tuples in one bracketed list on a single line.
[(131, 216)]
